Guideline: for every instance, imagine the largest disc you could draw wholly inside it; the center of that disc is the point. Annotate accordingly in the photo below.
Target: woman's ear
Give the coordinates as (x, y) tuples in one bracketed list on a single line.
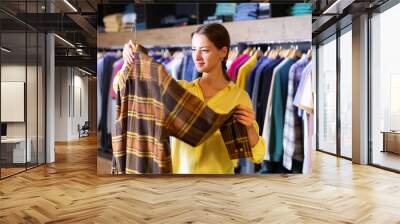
[(223, 51)]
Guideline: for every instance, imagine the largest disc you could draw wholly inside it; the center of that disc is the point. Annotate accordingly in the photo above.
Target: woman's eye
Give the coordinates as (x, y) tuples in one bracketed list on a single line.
[(204, 50)]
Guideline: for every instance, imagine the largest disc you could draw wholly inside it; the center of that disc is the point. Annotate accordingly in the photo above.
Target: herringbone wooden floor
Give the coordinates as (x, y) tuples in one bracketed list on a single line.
[(69, 191)]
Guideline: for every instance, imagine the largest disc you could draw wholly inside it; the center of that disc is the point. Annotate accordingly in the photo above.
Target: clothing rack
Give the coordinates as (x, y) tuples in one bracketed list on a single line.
[(152, 47), (302, 45)]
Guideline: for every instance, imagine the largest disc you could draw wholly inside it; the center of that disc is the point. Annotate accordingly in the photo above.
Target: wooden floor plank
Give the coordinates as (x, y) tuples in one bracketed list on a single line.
[(69, 191)]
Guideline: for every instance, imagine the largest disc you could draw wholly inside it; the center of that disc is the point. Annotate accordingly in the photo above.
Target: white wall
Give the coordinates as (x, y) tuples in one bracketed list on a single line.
[(13, 73), (61, 103), (33, 127), (80, 94), (71, 93)]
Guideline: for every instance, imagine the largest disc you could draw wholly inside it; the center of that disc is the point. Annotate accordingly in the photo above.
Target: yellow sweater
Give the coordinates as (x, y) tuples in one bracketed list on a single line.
[(244, 71), (211, 157)]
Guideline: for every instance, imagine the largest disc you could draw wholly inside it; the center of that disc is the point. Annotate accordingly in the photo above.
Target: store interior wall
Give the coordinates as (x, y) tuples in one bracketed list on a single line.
[(71, 102), (16, 73)]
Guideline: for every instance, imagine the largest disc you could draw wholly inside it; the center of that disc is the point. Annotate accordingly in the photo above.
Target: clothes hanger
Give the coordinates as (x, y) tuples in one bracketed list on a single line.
[(252, 52), (309, 54), (235, 52), (281, 52), (134, 35), (259, 52), (119, 53), (247, 51), (267, 51), (166, 54), (136, 46), (289, 52), (274, 53), (294, 52)]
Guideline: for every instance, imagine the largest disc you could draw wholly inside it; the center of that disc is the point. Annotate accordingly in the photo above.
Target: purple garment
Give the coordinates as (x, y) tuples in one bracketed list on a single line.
[(104, 75), (116, 67), (300, 87), (298, 71)]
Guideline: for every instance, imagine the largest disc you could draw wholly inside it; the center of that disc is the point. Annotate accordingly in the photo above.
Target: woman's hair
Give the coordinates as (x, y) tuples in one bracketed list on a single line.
[(219, 36)]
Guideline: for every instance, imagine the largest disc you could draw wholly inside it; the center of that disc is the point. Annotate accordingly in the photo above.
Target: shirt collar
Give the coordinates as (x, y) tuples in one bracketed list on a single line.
[(196, 83)]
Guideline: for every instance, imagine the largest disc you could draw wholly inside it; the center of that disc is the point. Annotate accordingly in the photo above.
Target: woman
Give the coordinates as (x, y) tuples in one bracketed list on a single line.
[(210, 48)]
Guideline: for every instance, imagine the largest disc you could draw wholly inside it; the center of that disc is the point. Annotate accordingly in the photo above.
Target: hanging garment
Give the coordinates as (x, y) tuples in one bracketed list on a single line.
[(104, 84), (246, 166), (239, 65), (252, 75), (299, 152), (279, 98), (235, 63), (151, 106), (304, 100), (211, 157), (112, 98), (307, 163), (256, 82), (268, 109), (100, 70), (262, 91), (189, 68), (195, 73), (292, 131), (116, 67), (244, 71), (304, 95), (174, 66)]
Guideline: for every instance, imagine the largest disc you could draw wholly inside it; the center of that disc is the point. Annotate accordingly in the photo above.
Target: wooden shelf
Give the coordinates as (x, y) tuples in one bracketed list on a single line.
[(281, 29)]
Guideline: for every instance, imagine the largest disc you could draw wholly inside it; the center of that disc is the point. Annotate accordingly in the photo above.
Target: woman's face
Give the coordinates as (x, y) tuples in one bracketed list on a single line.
[(205, 55)]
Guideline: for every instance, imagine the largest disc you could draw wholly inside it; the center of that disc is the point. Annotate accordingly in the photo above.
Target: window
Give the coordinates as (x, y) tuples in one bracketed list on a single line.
[(22, 76), (346, 93), (327, 96), (385, 88)]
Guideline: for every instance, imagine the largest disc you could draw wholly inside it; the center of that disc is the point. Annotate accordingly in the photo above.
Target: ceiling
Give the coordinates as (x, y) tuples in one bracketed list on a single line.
[(329, 16), (21, 21)]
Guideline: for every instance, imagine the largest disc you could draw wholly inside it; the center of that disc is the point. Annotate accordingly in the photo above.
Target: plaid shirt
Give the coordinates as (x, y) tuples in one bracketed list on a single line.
[(293, 130), (151, 106)]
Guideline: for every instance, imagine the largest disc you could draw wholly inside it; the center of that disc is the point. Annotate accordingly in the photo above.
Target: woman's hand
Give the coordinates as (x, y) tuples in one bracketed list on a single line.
[(127, 54), (244, 115)]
